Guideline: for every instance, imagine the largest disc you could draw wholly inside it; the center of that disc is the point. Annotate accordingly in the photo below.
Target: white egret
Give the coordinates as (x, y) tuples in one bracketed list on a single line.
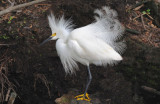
[(97, 43)]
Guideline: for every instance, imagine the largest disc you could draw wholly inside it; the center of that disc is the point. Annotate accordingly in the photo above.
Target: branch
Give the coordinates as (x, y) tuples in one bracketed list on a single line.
[(7, 44), (149, 89), (140, 3), (10, 9), (132, 31), (143, 22)]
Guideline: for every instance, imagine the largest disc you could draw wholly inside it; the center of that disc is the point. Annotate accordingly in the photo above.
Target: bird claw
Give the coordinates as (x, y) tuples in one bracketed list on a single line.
[(83, 97)]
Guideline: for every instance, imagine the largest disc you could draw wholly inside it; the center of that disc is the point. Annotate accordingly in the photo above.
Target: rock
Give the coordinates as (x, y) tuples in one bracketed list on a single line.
[(74, 101), (69, 98), (65, 99)]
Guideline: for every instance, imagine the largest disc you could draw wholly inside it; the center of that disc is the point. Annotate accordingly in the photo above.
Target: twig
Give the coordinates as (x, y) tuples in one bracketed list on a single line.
[(150, 37), (12, 98), (44, 80), (12, 3), (149, 16), (138, 16), (7, 44), (139, 7), (10, 9), (143, 22), (132, 31), (152, 90), (140, 3), (7, 95)]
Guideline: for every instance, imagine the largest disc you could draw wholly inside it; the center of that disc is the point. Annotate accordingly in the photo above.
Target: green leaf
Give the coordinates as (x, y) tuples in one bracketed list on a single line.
[(148, 10), (5, 37), (11, 17), (144, 12), (9, 22)]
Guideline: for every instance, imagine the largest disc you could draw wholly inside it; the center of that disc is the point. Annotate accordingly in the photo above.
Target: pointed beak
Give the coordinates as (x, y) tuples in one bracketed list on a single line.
[(45, 41), (48, 39)]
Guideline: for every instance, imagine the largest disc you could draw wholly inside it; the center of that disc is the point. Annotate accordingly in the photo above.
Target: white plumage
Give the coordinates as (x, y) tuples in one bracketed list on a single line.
[(97, 43)]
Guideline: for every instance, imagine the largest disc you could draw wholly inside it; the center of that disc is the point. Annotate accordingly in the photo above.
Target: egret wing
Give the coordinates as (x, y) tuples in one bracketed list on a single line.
[(107, 28), (91, 48)]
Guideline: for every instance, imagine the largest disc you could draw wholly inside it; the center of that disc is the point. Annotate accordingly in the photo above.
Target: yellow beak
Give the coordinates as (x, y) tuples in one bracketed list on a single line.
[(50, 38), (53, 35)]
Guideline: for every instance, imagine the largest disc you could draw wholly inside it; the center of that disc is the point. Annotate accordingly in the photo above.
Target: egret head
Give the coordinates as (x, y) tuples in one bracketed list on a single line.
[(60, 28)]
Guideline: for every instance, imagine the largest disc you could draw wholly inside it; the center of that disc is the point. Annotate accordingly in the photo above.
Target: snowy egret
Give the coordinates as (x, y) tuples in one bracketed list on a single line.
[(97, 43)]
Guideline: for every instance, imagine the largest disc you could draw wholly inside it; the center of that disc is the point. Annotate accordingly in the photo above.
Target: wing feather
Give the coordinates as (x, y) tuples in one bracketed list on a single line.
[(108, 28), (92, 49)]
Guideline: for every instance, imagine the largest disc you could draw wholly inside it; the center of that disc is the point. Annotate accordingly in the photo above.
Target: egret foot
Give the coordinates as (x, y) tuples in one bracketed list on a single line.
[(83, 97)]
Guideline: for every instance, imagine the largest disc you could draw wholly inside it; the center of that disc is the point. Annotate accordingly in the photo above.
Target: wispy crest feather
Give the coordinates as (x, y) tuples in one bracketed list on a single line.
[(60, 24)]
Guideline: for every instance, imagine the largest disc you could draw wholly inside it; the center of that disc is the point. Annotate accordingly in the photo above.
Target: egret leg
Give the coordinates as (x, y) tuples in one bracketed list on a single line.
[(89, 80), (85, 96)]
